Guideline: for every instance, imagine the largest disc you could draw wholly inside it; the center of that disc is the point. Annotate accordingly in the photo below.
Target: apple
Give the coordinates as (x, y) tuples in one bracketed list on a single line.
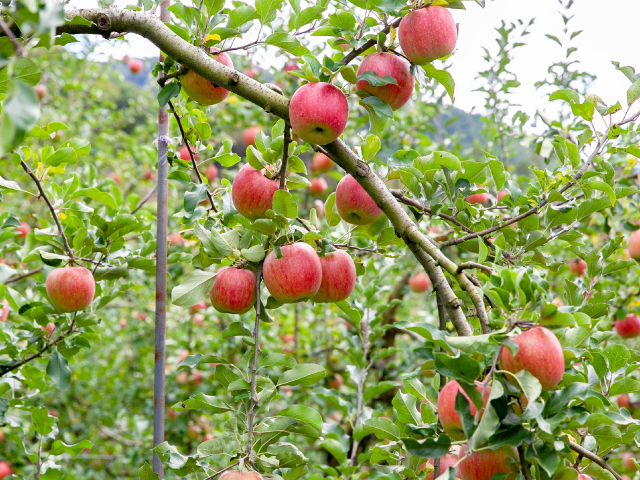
[(135, 65), (234, 290), (5, 469), (71, 289), (296, 276), (182, 378), (338, 277), (623, 401), (318, 112), (540, 354), (577, 266), (249, 135), (115, 177), (41, 90), (318, 186), (420, 282), (445, 462), (198, 318), (477, 198), (4, 310), (449, 418), (198, 306), (427, 34), (49, 329), (484, 464), (629, 327), (123, 323), (633, 246), (233, 475), (321, 163), (149, 175), (23, 230), (502, 193), (336, 382), (183, 354), (1, 436), (176, 239), (202, 90), (183, 152), (394, 66), (252, 192), (354, 204), (289, 338), (196, 378), (211, 172), (319, 206), (291, 66), (582, 476)]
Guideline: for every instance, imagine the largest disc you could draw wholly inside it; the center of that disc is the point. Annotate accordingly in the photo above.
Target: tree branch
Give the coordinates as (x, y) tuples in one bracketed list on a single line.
[(285, 154), (594, 458), (144, 200), (254, 370), (15, 278)]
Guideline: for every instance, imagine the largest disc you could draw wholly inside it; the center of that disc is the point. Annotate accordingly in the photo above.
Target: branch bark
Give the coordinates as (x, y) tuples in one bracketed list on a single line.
[(594, 458), (15, 278)]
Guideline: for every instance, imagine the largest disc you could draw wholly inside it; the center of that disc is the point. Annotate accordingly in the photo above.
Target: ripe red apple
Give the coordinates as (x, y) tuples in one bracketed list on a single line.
[(23, 230), (289, 338), (5, 470), (4, 310), (183, 354), (627, 461), (234, 290), (296, 276), (447, 414), (354, 204), (252, 192), (318, 185), (318, 112), (183, 152), (193, 432), (291, 66), (623, 401), (582, 476), (420, 282), (445, 462), (135, 65), (629, 327), (233, 475), (123, 323), (41, 90), (336, 382), (176, 239), (388, 64), (319, 206), (202, 90), (71, 289), (321, 163), (427, 34), (338, 277), (633, 246), (182, 378), (484, 464), (212, 172), (198, 306), (577, 266), (502, 194), (49, 329), (115, 177), (540, 354), (477, 198), (249, 135)]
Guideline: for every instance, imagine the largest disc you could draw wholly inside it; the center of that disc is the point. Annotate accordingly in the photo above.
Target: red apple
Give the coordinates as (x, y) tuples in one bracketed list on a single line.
[(449, 418), (318, 112), (232, 475), (193, 432), (629, 327), (198, 306), (502, 194), (249, 135), (633, 246), (291, 66), (149, 175), (289, 338), (427, 34), (41, 90), (540, 354), (183, 152), (321, 163), (445, 462), (71, 289), (354, 204), (318, 186), (123, 323), (335, 382), (49, 329), (115, 177), (135, 65), (577, 266), (582, 476), (484, 464), (477, 198), (4, 310), (234, 290), (5, 470), (296, 276), (202, 90), (319, 206), (252, 192), (623, 401), (627, 461), (338, 277), (212, 172), (183, 354), (394, 66), (420, 282), (182, 378), (23, 230), (176, 239)]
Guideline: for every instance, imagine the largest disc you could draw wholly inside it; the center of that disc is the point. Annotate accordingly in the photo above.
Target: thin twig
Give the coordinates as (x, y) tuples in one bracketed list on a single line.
[(594, 458), (15, 278), (145, 199), (222, 471), (469, 265), (362, 249)]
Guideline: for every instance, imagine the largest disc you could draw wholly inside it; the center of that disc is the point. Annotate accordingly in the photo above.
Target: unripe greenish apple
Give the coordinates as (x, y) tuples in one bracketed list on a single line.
[(427, 34), (71, 289), (296, 276), (202, 90), (449, 418), (318, 112), (484, 464), (338, 277), (234, 290), (252, 192), (394, 66), (540, 354), (354, 204)]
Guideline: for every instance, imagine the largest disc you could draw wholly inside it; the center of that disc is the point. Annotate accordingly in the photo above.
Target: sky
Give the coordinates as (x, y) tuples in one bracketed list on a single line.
[(610, 33)]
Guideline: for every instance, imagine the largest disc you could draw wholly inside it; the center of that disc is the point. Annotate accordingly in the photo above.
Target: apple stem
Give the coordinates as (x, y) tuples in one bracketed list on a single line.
[(285, 154), (254, 370)]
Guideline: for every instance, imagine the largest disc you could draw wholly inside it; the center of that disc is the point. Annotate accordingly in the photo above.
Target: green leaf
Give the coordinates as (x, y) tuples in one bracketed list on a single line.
[(284, 205), (429, 447), (42, 421), (343, 20), (288, 43), (382, 428), (194, 289), (304, 414), (211, 447), (374, 80), (566, 94), (331, 211), (59, 447), (241, 15), (95, 194), (633, 93), (370, 147), (379, 113), (405, 406), (461, 367), (335, 448), (351, 312), (146, 473), (236, 329), (169, 91), (253, 254), (58, 370), (24, 70), (267, 10), (443, 77), (308, 15), (303, 374), (278, 360), (603, 187), (437, 160)]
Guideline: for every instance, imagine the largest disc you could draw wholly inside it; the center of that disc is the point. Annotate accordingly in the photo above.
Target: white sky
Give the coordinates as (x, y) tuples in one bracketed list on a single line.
[(610, 33)]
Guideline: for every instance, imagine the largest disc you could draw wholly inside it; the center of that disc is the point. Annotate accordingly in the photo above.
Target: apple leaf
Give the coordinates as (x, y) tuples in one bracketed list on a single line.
[(284, 205), (443, 77), (194, 289), (303, 374), (288, 43), (374, 80), (379, 113)]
